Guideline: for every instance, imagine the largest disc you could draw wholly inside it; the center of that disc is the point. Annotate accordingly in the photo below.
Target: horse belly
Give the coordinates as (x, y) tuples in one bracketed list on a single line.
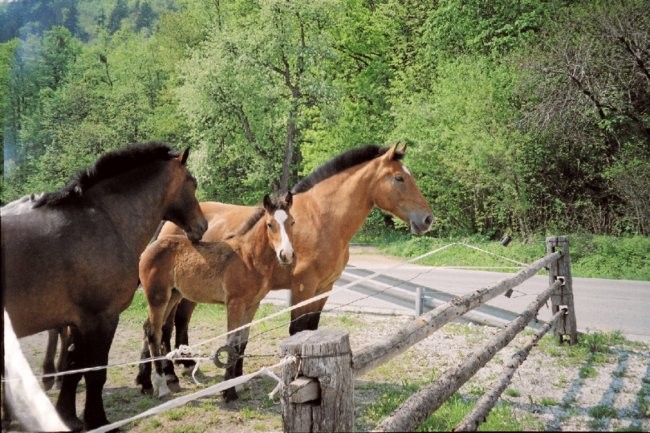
[(202, 291), (199, 277)]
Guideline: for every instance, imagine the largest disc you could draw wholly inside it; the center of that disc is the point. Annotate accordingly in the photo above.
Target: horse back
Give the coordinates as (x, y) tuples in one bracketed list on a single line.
[(195, 269), (223, 219)]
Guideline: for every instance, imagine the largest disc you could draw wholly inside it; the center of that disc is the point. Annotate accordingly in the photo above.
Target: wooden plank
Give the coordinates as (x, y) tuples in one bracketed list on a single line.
[(368, 357), (304, 389), (426, 401)]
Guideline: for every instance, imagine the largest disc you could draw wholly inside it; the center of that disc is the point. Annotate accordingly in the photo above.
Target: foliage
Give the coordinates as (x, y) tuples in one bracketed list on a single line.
[(591, 121), (515, 119)]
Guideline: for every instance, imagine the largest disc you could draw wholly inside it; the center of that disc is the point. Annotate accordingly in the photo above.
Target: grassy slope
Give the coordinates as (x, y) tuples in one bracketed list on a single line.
[(591, 256)]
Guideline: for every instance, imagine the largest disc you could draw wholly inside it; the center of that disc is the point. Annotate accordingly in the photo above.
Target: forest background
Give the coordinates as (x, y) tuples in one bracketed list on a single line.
[(521, 117)]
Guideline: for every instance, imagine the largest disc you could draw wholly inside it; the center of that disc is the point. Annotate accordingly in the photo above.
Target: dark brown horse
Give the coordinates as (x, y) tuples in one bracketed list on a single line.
[(330, 205), (70, 257), (237, 272)]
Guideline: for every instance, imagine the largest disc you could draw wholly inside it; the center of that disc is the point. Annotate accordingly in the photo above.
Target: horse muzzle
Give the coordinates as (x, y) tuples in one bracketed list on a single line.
[(197, 229), (286, 257), (420, 222)]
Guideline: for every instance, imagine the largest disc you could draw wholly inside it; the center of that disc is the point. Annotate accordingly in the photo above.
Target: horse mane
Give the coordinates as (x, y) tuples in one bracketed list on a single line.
[(340, 163), (277, 202), (248, 224), (107, 166)]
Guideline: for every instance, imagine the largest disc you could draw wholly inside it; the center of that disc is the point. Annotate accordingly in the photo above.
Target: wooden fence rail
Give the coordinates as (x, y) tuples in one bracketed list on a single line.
[(324, 376), (489, 399)]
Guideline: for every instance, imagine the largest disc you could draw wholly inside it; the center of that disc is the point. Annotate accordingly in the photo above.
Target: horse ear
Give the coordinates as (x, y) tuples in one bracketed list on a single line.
[(392, 152), (403, 150), (268, 203), (288, 198), (184, 155)]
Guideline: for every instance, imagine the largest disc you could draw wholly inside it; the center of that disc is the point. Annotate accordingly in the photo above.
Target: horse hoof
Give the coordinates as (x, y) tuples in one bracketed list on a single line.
[(74, 424), (159, 385), (187, 371), (174, 386), (230, 394), (96, 423), (171, 378), (146, 390)]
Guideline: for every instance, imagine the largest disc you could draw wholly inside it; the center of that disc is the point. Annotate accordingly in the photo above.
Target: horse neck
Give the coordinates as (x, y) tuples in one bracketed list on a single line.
[(254, 248), (342, 202), (134, 212)]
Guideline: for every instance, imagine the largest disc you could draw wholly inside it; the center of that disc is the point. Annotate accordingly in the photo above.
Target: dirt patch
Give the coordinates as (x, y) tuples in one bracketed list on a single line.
[(559, 390)]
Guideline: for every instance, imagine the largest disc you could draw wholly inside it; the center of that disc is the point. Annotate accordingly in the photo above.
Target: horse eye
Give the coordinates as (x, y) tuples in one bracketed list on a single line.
[(399, 178), (269, 225)]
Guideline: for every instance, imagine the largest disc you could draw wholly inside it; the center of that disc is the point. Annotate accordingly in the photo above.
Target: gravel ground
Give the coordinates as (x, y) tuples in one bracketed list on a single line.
[(547, 388)]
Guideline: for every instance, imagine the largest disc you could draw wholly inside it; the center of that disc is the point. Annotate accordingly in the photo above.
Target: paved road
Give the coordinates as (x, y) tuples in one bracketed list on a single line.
[(601, 304)]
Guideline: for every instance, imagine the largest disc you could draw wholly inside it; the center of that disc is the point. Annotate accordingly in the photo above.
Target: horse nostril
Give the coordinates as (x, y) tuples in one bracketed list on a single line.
[(286, 257), (428, 220)]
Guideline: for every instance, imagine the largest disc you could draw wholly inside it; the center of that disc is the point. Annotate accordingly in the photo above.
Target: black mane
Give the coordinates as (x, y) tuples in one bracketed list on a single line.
[(248, 224), (277, 202), (340, 163), (109, 165)]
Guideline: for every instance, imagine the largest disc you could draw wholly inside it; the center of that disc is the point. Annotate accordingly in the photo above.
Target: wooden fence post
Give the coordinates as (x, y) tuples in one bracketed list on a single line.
[(563, 296), (318, 393)]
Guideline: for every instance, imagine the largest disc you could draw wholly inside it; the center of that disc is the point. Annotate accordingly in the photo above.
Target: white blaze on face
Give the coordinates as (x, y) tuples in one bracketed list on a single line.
[(406, 170), (285, 244)]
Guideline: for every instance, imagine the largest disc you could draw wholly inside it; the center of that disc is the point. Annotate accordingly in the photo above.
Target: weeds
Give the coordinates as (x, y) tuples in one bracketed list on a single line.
[(547, 402), (511, 392), (602, 411)]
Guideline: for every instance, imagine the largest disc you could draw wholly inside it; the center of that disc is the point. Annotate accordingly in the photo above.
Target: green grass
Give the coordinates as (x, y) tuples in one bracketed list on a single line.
[(602, 411), (511, 392), (501, 417), (591, 256), (547, 401)]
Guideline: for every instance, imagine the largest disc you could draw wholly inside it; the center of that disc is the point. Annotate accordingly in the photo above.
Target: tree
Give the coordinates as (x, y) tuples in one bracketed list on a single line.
[(592, 120), (247, 89), (119, 12)]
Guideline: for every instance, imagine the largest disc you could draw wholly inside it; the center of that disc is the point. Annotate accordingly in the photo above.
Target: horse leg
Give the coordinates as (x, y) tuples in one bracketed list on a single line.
[(167, 330), (159, 308), (157, 377), (238, 315), (168, 366), (307, 317), (144, 369), (66, 404), (66, 345), (181, 321), (97, 344), (48, 362)]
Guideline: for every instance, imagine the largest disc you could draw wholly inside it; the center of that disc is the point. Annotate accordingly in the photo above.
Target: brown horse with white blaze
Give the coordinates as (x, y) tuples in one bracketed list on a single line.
[(70, 257), (330, 206), (238, 272)]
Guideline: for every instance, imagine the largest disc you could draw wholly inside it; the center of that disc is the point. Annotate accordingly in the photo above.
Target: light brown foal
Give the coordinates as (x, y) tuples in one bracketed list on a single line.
[(237, 272)]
